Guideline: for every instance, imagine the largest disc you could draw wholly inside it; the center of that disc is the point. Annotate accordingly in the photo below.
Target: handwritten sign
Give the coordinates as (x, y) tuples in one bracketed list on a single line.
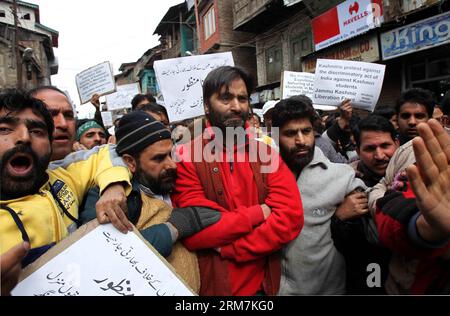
[(297, 83), (337, 80), (98, 79), (107, 118), (181, 82), (122, 98), (103, 262)]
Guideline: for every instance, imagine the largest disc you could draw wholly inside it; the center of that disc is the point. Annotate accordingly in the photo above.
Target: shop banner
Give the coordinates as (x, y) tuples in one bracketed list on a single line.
[(411, 38), (345, 21)]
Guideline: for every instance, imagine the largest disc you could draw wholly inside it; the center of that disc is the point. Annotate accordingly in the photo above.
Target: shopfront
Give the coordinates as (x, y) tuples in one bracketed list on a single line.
[(423, 51)]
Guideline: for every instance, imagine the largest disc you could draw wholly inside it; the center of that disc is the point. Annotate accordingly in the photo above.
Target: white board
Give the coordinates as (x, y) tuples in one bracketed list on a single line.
[(122, 98), (107, 118), (337, 80), (103, 262), (297, 83), (181, 82), (301, 83), (97, 79)]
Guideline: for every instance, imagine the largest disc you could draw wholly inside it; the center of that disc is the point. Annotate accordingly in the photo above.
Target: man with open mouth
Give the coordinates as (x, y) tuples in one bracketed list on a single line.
[(39, 202)]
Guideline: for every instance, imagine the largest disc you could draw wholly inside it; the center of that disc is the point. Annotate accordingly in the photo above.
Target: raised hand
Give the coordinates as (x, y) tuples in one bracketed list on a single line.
[(430, 180)]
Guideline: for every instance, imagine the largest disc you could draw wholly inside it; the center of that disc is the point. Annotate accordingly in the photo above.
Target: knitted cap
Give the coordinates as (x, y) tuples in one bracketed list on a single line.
[(138, 130)]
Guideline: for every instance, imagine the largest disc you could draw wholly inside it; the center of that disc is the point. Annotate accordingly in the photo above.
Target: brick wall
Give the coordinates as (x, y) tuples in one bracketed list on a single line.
[(206, 44)]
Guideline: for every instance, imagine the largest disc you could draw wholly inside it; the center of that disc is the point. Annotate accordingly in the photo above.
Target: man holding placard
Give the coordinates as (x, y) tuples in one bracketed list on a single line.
[(145, 145)]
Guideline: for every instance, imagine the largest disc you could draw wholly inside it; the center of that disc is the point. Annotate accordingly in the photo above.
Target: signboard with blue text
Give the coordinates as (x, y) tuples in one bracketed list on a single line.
[(425, 34)]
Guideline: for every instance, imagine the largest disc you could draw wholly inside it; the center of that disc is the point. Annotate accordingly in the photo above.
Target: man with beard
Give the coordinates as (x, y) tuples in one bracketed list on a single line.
[(64, 119), (311, 265), (145, 145), (39, 202), (261, 207)]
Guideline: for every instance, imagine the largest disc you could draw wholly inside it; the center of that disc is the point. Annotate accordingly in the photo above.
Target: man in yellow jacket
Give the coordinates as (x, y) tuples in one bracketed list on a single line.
[(39, 202)]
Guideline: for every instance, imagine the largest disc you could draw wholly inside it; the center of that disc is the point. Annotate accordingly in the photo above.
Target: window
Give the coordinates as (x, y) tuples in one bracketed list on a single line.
[(209, 23), (2, 13), (26, 16), (300, 46), (274, 63)]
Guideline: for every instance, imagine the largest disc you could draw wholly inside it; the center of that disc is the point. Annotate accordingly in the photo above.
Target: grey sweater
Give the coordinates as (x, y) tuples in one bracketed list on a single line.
[(311, 265)]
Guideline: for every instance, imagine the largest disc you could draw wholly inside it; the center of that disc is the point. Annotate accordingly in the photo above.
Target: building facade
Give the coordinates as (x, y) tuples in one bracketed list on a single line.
[(215, 20), (35, 45)]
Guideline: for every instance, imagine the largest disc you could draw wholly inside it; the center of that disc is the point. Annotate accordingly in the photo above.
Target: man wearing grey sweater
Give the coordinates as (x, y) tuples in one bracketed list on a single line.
[(311, 265)]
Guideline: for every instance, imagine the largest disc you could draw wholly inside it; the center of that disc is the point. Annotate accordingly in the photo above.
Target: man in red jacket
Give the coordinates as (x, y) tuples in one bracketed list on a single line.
[(261, 212), (415, 223)]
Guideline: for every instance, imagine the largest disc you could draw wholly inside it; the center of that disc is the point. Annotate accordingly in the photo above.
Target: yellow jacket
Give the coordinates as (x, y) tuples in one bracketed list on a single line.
[(42, 217)]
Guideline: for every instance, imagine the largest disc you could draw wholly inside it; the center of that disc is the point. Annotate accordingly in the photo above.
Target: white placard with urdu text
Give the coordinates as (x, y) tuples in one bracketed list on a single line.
[(181, 82), (337, 80), (104, 262), (122, 98)]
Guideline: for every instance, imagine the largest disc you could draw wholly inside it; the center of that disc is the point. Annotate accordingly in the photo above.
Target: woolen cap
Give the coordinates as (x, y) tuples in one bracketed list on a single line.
[(138, 130)]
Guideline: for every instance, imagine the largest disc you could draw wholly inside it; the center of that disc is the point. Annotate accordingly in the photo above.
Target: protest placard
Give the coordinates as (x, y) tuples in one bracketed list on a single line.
[(259, 112), (98, 260), (97, 79), (107, 118), (337, 80), (296, 83), (181, 82), (122, 98), (301, 83)]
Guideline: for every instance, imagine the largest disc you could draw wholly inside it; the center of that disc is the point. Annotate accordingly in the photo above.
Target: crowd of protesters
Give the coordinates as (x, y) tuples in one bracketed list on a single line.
[(297, 202)]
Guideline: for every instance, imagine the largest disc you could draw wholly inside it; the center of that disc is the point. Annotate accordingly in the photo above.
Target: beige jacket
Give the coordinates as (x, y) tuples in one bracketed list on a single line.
[(154, 212)]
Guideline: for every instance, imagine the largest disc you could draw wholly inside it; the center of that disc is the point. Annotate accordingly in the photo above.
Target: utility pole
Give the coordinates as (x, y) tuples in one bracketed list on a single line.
[(16, 46)]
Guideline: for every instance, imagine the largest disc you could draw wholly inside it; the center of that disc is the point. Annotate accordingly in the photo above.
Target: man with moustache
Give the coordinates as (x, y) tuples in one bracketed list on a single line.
[(39, 202), (414, 223), (311, 265), (64, 119), (413, 107), (261, 207), (376, 143), (145, 145)]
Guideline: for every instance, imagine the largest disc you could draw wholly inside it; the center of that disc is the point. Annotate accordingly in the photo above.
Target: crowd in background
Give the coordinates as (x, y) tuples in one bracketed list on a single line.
[(354, 203)]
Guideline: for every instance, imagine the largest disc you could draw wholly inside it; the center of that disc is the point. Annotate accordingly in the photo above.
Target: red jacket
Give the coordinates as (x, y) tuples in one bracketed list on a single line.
[(428, 267), (242, 233)]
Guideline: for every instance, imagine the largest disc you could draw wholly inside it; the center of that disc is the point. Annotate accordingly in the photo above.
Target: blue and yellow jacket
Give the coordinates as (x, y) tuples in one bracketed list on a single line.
[(48, 216)]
